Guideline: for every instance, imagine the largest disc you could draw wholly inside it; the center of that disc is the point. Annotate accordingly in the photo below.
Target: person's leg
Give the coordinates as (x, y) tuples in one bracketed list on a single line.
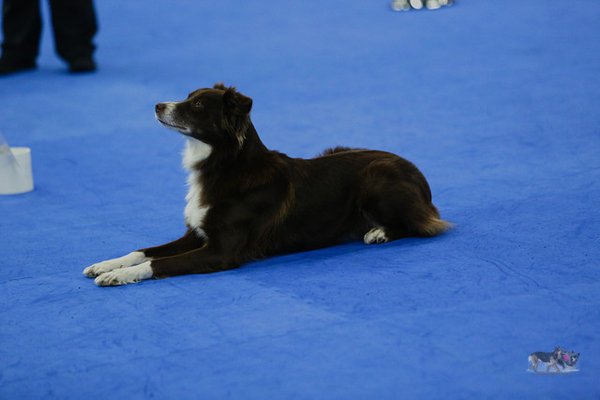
[(21, 28), (74, 24)]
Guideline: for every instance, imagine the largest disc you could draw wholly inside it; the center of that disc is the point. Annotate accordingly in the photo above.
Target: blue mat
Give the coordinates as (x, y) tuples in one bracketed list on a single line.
[(495, 101)]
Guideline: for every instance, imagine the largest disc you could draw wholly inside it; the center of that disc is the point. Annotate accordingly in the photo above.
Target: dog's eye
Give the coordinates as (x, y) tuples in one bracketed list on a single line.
[(198, 104)]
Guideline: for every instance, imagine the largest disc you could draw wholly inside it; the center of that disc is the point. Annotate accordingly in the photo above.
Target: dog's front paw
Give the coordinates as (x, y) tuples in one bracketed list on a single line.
[(123, 276), (100, 268)]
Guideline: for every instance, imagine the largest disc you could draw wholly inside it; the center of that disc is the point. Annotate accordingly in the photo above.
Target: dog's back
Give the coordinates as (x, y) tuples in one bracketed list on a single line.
[(542, 356)]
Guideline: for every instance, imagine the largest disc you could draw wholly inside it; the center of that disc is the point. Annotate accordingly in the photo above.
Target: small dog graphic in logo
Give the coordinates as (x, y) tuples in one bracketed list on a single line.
[(559, 360)]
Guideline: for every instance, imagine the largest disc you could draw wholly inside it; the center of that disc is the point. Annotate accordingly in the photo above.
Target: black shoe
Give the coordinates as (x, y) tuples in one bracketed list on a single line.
[(8, 66), (80, 65)]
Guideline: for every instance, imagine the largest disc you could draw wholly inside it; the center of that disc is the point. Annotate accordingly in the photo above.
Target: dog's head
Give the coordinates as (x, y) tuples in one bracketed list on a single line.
[(218, 116), (573, 358)]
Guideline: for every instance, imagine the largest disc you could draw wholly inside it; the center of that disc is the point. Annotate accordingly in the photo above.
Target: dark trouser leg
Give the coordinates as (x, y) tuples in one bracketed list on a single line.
[(74, 24), (21, 27)]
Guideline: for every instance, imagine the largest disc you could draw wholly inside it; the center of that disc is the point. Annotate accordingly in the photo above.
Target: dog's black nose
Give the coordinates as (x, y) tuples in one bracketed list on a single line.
[(160, 107)]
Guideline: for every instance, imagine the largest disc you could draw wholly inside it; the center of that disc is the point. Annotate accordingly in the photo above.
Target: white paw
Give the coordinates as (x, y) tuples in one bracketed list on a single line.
[(375, 235), (124, 276), (405, 5), (432, 4), (100, 268)]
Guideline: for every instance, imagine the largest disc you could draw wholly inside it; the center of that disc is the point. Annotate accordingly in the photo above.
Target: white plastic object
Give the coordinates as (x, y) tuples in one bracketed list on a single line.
[(15, 170)]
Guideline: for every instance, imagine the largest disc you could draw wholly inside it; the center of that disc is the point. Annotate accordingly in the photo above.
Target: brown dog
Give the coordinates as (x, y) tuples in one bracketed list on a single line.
[(247, 202)]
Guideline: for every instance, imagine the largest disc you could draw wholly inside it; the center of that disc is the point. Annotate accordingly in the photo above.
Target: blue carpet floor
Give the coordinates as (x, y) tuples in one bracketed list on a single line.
[(495, 101)]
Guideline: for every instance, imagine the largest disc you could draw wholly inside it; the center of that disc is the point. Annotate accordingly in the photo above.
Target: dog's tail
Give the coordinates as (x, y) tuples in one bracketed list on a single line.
[(434, 226)]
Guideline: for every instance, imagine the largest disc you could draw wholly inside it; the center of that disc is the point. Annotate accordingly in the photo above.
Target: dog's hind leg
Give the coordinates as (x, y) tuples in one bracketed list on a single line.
[(396, 200), (375, 235), (533, 361), (188, 242)]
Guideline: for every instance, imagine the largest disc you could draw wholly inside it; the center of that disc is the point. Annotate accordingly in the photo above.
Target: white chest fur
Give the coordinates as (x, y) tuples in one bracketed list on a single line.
[(195, 209)]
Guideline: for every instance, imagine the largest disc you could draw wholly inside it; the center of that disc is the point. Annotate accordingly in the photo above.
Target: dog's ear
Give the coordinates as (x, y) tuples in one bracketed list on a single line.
[(236, 103), (236, 110), (219, 85)]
